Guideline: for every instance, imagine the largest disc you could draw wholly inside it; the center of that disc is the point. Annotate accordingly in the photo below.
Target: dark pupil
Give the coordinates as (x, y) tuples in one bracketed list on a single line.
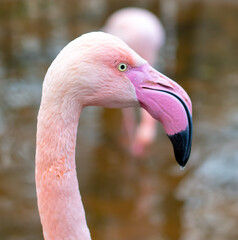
[(123, 67)]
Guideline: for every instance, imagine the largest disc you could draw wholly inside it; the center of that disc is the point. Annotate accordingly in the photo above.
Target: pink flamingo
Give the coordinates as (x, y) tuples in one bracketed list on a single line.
[(144, 33), (95, 69)]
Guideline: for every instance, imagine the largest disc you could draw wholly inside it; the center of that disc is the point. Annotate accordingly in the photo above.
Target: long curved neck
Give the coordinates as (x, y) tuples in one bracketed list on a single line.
[(59, 201)]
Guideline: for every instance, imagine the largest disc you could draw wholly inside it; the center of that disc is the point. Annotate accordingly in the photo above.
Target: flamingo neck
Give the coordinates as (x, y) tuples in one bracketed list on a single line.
[(59, 201)]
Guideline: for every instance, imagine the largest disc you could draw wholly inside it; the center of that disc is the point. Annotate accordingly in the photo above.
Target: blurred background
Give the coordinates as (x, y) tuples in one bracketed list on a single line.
[(124, 197)]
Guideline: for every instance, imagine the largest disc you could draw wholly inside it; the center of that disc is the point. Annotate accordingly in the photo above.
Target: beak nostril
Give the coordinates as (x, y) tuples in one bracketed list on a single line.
[(165, 86)]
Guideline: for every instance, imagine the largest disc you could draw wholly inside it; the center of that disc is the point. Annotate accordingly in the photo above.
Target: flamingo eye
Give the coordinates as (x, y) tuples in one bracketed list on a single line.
[(122, 67)]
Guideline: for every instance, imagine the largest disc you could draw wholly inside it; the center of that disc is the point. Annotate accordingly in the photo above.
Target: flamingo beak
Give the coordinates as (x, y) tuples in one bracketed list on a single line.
[(168, 103)]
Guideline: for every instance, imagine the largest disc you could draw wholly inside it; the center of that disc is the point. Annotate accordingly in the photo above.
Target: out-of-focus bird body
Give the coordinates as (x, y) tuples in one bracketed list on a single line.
[(144, 33)]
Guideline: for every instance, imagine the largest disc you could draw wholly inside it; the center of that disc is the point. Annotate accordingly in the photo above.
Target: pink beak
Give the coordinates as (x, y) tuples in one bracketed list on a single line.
[(168, 103)]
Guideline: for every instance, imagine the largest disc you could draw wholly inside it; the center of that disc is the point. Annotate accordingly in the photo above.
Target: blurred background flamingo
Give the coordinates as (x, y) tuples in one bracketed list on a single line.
[(144, 33)]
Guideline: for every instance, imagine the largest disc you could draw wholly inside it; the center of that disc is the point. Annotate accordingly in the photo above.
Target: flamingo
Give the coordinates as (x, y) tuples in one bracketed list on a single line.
[(144, 33), (101, 70)]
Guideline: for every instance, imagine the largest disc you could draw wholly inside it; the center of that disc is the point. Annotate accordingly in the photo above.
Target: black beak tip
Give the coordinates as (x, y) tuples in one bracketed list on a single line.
[(182, 146)]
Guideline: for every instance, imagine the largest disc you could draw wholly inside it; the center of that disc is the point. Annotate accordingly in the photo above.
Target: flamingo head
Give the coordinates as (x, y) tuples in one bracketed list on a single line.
[(100, 69), (138, 28)]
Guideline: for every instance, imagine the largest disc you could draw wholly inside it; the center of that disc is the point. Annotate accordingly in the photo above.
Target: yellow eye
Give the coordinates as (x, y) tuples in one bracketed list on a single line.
[(122, 67)]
